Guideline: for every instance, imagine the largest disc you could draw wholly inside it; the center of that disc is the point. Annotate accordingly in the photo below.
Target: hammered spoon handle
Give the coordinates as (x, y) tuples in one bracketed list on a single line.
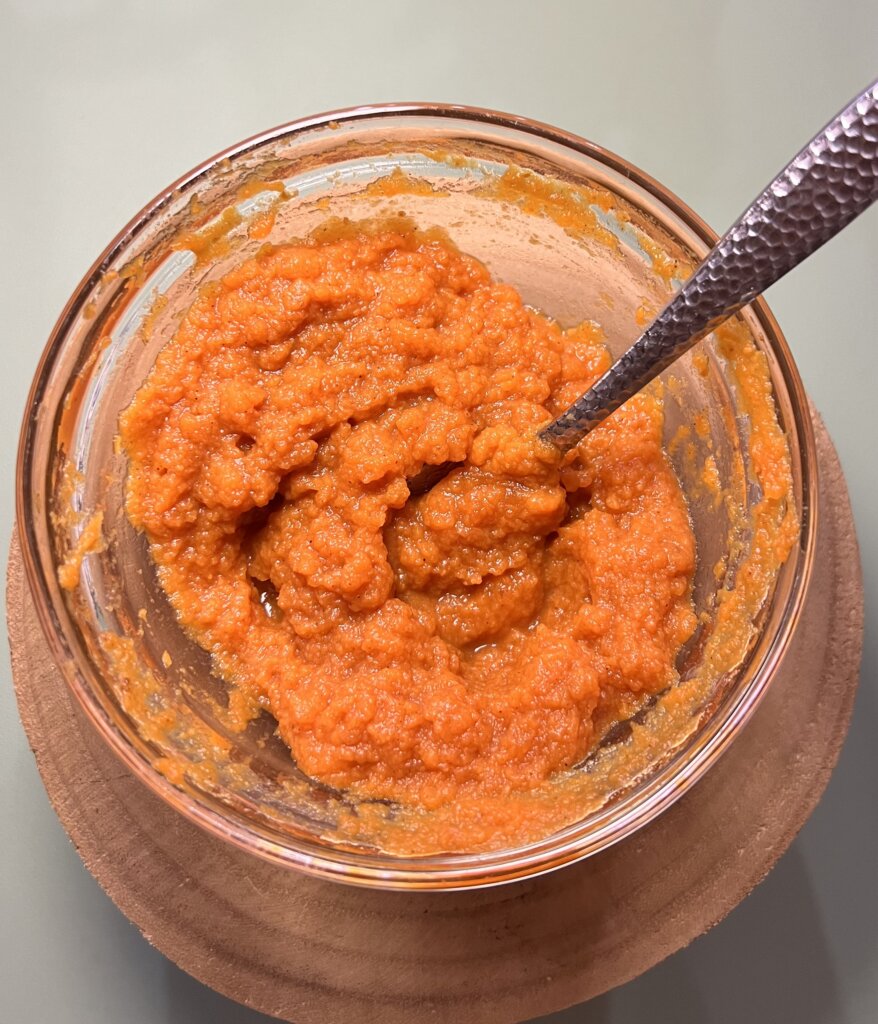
[(821, 190)]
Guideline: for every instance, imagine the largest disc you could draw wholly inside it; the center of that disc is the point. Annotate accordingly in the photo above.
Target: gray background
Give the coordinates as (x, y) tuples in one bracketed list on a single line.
[(104, 103)]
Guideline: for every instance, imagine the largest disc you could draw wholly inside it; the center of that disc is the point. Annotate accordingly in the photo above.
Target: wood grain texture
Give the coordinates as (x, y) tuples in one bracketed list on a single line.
[(321, 953)]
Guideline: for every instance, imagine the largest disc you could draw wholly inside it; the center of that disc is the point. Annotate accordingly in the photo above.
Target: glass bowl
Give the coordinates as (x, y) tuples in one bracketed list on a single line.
[(583, 235)]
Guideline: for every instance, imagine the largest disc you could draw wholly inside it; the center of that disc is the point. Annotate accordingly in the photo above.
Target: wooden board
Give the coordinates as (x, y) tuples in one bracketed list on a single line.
[(321, 953)]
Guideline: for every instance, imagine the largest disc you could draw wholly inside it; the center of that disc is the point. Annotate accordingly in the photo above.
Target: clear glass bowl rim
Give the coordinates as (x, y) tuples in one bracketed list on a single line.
[(454, 871)]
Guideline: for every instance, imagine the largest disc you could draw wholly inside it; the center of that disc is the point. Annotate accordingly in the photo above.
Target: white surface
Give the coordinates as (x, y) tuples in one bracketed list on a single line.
[(104, 103)]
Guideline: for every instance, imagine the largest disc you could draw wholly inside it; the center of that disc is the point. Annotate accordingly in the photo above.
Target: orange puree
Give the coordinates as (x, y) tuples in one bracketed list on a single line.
[(468, 643)]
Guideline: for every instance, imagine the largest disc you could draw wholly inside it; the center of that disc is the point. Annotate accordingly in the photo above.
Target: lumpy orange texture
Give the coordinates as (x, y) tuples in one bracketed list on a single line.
[(473, 640)]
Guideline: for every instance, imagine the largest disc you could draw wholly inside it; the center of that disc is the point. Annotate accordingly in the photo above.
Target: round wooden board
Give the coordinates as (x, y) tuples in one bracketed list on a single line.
[(322, 953)]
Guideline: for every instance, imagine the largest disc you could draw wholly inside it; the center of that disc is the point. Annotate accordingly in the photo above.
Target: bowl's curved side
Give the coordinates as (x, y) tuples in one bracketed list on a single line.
[(47, 437)]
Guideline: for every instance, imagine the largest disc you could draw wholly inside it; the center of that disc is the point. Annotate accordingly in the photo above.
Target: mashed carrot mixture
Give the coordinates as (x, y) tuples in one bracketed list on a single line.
[(474, 640)]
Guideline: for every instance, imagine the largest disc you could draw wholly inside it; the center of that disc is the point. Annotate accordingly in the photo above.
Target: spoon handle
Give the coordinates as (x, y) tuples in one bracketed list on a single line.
[(821, 190)]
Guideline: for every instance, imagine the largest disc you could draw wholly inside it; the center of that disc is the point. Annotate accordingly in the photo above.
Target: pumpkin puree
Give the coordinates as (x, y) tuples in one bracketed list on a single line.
[(470, 642)]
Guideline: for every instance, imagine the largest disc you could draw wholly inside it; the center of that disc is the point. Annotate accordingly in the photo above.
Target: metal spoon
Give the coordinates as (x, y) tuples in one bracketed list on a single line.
[(821, 190)]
